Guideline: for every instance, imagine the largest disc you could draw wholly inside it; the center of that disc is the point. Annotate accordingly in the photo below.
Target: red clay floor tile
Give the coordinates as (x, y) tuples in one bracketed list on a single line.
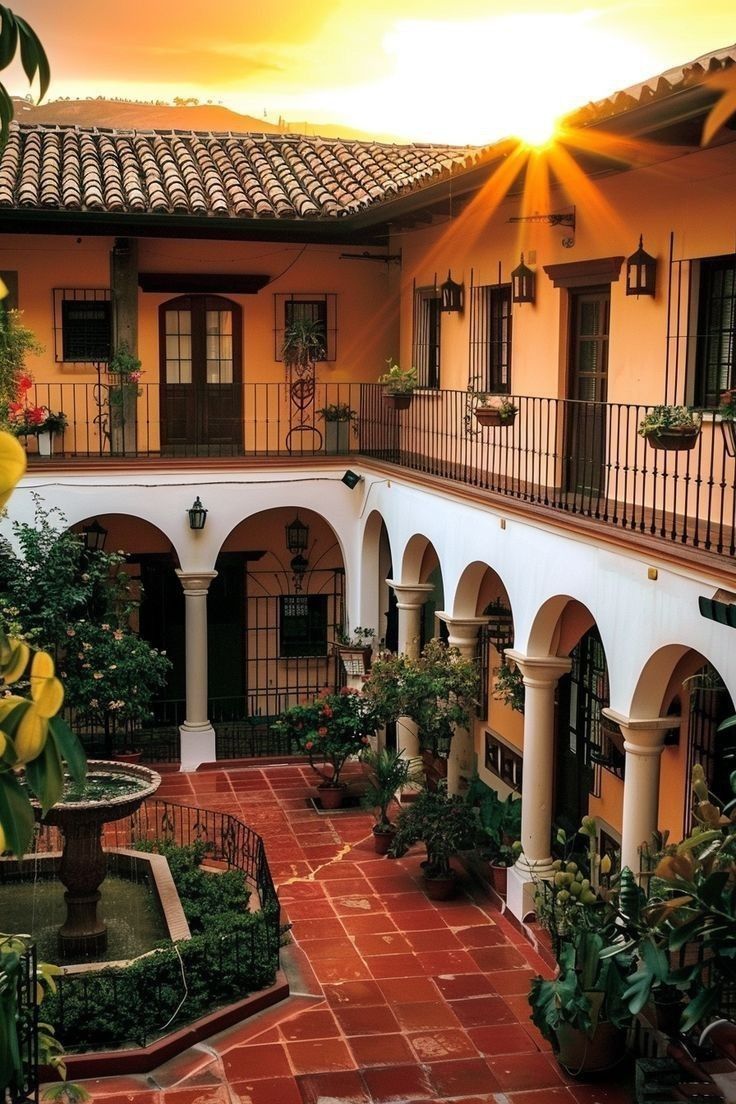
[(345, 1088), (278, 1090), (398, 1083), (380, 1050), (318, 1023), (368, 1019), (482, 1011), (354, 992), (502, 1039), (465, 985), (524, 1071), (423, 1015), (382, 943), (409, 990), (461, 1078), (256, 1062), (319, 1056), (434, 1046)]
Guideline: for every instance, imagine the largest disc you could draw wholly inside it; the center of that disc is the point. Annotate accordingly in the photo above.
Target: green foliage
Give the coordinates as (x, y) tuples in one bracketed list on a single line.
[(13, 949), (387, 772), (331, 729), (399, 381), (502, 403), (232, 952), (498, 822), (17, 342), (667, 418), (304, 343), (359, 638), (444, 824), (436, 690), (727, 409), (17, 36), (340, 412), (508, 686)]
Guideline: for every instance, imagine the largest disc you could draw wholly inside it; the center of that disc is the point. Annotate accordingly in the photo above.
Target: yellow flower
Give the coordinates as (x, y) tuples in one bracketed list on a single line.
[(12, 465)]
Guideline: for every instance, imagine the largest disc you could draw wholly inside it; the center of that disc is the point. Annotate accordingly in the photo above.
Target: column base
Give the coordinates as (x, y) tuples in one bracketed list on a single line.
[(520, 886), (196, 745)]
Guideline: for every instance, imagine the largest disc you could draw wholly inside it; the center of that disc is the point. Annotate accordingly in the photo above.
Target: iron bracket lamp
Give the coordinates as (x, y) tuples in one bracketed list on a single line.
[(451, 295), (641, 272), (94, 536), (523, 283), (197, 515), (297, 535)]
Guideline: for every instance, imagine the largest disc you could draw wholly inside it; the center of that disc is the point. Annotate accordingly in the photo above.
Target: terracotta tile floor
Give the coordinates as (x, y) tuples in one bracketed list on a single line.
[(395, 999)]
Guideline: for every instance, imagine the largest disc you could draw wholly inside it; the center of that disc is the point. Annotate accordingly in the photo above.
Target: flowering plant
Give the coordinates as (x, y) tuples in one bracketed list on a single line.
[(27, 421), (669, 419), (399, 381), (331, 729)]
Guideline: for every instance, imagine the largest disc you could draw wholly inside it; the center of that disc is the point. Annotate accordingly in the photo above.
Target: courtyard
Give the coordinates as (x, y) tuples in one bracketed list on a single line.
[(394, 999)]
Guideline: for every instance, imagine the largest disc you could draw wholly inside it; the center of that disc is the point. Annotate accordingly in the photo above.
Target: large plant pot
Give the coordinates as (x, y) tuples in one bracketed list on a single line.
[(337, 438), (331, 797), (45, 444), (397, 402), (674, 440), (382, 840), (666, 1015), (489, 416), (499, 879), (578, 1054), (440, 888)]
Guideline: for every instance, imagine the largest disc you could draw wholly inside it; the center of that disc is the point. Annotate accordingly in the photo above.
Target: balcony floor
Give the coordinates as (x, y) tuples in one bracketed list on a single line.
[(396, 999)]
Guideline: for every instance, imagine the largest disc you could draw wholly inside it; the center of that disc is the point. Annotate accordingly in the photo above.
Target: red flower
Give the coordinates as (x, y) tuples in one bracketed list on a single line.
[(309, 745), (37, 415), (25, 383), (327, 711), (322, 731)]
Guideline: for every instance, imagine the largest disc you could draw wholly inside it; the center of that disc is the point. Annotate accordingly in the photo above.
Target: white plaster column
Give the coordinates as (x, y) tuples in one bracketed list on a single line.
[(463, 635), (410, 599), (541, 674), (643, 745), (197, 735)]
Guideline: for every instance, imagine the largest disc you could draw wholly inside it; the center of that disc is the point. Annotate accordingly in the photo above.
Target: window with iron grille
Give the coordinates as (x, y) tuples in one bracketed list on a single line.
[(426, 336), (714, 370), (490, 338), (309, 307), (302, 625), (82, 325)]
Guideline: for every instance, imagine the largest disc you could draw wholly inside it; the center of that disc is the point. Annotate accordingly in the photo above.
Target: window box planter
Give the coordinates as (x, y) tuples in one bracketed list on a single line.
[(675, 439), (492, 416), (397, 402)]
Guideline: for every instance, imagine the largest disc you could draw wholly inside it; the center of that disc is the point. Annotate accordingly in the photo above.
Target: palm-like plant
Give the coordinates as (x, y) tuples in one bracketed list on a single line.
[(388, 773), (304, 343)]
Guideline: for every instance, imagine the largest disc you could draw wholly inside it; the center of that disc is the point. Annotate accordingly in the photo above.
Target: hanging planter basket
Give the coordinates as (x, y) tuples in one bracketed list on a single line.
[(490, 416), (674, 440), (397, 402)]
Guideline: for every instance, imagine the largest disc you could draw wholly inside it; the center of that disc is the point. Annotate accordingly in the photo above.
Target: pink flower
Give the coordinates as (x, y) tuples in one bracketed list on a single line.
[(25, 383)]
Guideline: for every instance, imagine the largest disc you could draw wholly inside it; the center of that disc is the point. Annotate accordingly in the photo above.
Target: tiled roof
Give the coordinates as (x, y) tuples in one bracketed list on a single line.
[(226, 175), (656, 88)]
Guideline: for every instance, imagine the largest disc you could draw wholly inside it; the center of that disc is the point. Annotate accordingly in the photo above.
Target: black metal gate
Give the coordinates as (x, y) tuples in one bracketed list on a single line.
[(710, 704), (582, 695)]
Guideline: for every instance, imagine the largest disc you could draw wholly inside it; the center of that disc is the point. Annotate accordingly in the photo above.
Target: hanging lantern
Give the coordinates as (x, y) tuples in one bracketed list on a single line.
[(197, 515), (500, 627), (451, 295), (641, 272), (94, 536), (297, 535), (523, 283), (299, 565)]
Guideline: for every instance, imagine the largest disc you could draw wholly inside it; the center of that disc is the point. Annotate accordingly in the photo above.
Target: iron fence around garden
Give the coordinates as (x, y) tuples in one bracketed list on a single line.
[(117, 1006), (570, 456), (25, 1089)]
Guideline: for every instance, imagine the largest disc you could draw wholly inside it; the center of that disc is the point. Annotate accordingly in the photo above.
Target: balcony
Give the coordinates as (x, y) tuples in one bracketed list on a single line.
[(583, 460)]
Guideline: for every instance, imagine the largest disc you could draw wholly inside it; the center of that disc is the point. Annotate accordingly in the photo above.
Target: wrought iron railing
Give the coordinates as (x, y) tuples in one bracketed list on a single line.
[(572, 457), (25, 1085), (133, 1005)]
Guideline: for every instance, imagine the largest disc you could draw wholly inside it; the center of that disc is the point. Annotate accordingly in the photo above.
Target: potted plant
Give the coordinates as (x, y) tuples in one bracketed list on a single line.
[(498, 830), (400, 385), (388, 773), (671, 428), (37, 421), (339, 419), (583, 1011), (495, 410), (436, 690), (355, 650), (330, 730), (304, 343), (124, 369), (445, 825)]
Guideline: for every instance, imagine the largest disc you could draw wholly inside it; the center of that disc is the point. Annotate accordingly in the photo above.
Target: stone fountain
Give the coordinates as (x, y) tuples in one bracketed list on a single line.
[(113, 791)]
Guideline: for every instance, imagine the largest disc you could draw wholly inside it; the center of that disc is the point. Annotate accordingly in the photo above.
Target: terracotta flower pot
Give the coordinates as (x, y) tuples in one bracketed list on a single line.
[(440, 888), (499, 879), (579, 1054), (397, 402), (382, 839), (331, 797), (127, 756), (491, 416)]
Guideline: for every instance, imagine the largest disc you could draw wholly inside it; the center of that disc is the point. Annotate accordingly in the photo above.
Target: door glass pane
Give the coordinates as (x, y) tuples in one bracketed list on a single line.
[(178, 346), (219, 345)]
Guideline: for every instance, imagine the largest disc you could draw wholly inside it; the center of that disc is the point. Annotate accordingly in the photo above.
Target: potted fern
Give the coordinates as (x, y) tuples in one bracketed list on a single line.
[(339, 419)]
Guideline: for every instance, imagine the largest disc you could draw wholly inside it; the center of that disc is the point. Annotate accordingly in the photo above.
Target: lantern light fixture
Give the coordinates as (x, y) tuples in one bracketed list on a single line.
[(451, 295), (94, 536), (197, 515), (641, 272), (523, 283), (299, 565), (500, 626), (297, 535)]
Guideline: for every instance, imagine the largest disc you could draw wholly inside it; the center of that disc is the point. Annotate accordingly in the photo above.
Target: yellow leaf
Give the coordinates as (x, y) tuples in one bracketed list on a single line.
[(48, 696), (12, 465), (9, 703), (30, 736), (3, 841), (676, 866), (17, 663), (42, 666)]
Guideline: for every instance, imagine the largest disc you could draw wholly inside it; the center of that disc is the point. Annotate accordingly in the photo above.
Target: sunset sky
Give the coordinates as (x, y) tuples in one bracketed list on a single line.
[(466, 71)]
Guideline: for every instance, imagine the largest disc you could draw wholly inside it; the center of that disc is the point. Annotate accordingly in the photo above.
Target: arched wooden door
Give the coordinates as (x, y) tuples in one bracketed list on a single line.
[(200, 340)]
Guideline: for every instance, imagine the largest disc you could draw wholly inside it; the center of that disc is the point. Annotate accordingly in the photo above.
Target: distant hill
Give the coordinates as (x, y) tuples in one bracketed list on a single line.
[(128, 114)]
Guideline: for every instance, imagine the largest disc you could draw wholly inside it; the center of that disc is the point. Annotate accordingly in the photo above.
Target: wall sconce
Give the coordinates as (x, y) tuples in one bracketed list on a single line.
[(523, 283), (500, 627), (351, 479), (297, 535), (641, 272), (299, 565), (197, 515), (94, 536), (451, 295)]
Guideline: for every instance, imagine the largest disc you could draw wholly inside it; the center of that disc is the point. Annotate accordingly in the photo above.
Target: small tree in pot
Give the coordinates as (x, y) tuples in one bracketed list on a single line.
[(388, 772), (445, 825)]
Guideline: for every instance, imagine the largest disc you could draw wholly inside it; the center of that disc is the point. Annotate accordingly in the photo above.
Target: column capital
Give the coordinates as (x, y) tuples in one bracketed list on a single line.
[(467, 627), (195, 582), (539, 670), (410, 595), (642, 735)]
